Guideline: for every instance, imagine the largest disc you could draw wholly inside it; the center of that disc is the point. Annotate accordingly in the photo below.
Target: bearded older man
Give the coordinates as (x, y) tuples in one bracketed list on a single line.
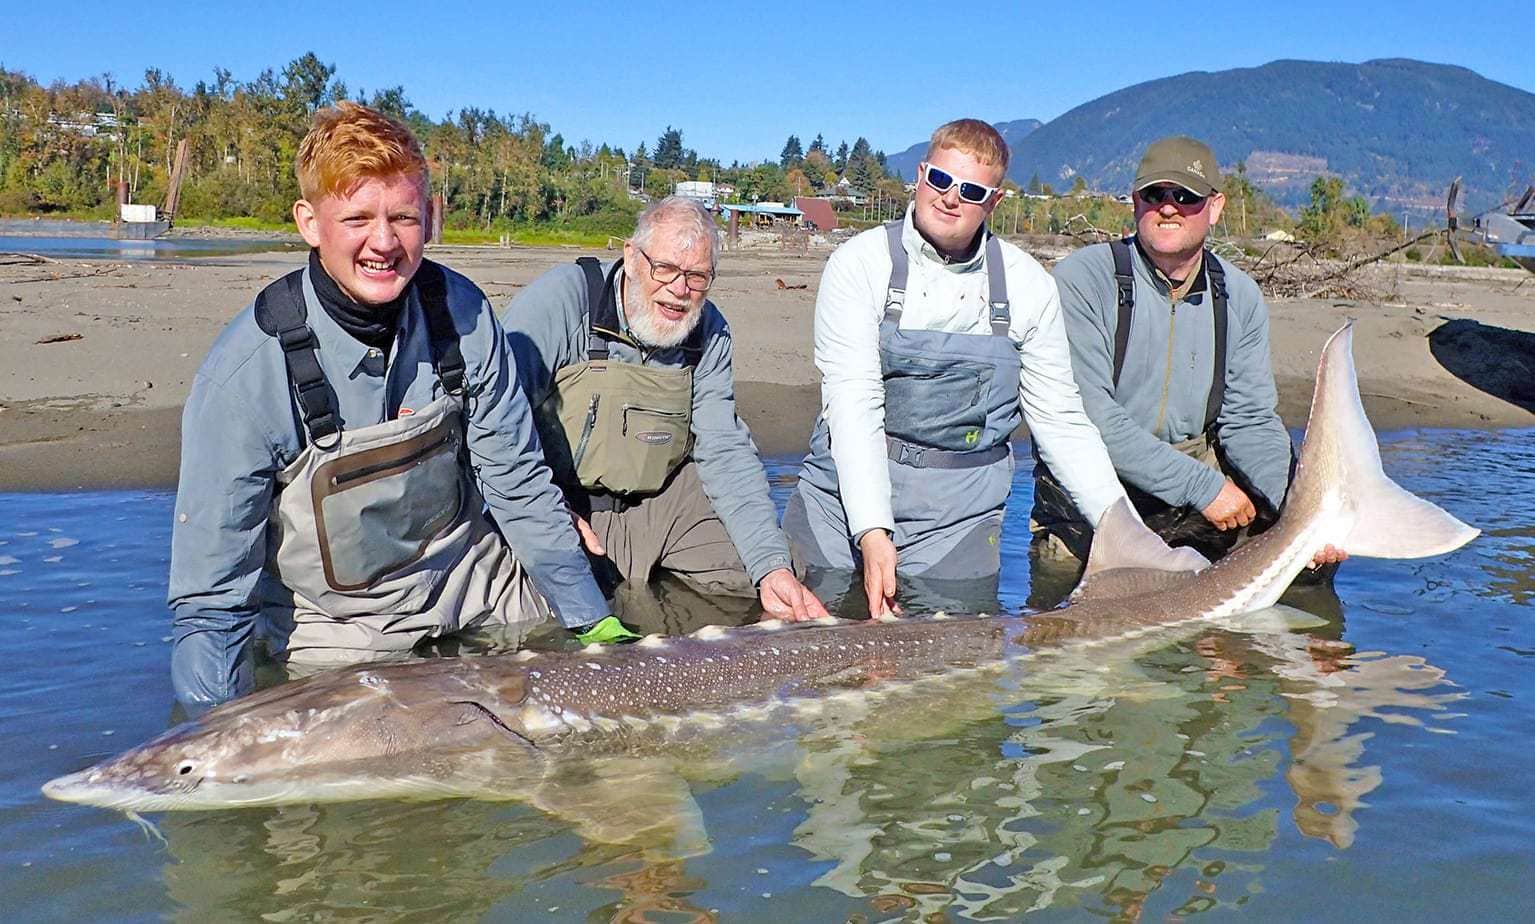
[(628, 368)]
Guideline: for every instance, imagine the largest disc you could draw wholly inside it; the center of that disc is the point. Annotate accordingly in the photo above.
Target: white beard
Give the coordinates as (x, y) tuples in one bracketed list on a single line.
[(648, 329)]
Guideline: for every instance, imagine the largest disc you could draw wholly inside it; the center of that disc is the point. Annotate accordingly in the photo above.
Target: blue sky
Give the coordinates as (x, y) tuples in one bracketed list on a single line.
[(738, 78)]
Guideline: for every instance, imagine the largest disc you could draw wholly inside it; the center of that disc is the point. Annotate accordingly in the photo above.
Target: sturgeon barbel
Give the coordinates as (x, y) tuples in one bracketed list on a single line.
[(504, 723)]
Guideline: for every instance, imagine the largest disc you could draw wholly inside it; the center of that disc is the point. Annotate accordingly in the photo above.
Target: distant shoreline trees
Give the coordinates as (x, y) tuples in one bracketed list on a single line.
[(64, 149)]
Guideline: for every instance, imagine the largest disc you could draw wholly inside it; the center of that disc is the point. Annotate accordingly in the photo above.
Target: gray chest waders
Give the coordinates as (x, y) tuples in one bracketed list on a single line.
[(374, 520), (616, 429), (951, 403)]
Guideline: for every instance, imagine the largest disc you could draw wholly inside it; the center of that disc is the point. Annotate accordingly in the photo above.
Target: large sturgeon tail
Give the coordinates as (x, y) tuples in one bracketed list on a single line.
[(1340, 457)]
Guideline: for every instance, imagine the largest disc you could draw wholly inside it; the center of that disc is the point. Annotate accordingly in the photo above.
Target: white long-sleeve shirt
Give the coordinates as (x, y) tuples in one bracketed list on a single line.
[(948, 297)]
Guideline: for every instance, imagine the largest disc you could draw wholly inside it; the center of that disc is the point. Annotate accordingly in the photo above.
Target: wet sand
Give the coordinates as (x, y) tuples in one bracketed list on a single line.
[(96, 356)]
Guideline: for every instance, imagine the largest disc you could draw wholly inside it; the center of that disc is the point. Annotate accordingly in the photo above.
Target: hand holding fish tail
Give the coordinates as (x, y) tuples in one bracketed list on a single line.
[(1329, 554)]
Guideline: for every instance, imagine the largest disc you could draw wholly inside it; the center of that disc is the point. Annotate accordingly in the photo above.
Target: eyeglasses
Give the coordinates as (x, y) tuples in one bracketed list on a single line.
[(667, 273), (942, 181), (1156, 195)]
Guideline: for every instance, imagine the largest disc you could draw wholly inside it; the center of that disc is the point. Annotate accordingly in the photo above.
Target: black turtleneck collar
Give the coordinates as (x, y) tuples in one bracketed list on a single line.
[(374, 325)]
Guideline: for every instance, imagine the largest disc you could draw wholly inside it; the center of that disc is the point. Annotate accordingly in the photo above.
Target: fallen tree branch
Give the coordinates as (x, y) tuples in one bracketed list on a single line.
[(58, 277), (14, 258)]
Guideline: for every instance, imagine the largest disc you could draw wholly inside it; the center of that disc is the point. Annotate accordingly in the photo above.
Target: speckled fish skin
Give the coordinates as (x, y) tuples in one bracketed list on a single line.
[(452, 726)]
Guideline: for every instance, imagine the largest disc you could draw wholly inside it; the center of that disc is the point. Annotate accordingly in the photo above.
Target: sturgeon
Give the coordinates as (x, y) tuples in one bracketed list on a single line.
[(510, 725)]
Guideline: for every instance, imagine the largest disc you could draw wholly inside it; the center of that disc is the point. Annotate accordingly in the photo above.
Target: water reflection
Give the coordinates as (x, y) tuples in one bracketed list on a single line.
[(1268, 751), (1084, 780), (1098, 798)]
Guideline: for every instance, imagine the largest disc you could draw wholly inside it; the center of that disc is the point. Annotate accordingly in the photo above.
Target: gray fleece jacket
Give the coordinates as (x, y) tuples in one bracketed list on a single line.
[(1165, 383)]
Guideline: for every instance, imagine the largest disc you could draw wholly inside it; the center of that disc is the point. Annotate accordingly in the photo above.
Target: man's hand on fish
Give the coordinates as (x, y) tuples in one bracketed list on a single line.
[(1232, 508), (879, 557), (784, 597)]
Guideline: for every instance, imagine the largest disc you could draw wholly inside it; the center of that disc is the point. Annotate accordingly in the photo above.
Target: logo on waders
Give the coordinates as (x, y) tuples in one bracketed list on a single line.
[(654, 437), (972, 437)]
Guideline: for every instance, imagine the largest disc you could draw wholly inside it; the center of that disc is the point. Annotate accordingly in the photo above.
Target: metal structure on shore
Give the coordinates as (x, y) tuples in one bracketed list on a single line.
[(144, 222)]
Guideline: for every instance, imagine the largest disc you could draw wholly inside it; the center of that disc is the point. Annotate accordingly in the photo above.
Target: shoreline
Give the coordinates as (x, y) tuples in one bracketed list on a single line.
[(99, 354)]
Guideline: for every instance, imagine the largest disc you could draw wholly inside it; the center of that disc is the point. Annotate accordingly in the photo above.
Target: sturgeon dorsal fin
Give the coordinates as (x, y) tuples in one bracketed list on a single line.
[(1128, 558)]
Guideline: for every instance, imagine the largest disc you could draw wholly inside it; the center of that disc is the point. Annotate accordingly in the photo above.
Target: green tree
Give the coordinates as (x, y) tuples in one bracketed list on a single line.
[(669, 152), (791, 155)]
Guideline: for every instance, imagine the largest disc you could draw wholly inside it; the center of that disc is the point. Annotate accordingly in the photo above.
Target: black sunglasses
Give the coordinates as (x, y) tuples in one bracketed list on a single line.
[(1156, 195), (942, 181)]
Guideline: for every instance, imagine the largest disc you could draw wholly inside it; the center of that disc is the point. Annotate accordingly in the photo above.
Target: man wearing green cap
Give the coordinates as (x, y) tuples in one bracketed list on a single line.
[(1170, 347)]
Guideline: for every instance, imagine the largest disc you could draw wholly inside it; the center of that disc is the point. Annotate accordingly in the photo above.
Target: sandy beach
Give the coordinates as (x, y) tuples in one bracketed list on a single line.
[(97, 356)]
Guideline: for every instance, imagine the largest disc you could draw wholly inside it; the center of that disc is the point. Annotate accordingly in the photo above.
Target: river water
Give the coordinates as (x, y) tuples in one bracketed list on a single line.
[(1369, 765), (74, 240)]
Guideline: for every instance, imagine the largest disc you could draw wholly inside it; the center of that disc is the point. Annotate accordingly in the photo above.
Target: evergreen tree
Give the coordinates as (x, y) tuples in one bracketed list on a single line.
[(1034, 188), (839, 162), (791, 155), (669, 149), (819, 144)]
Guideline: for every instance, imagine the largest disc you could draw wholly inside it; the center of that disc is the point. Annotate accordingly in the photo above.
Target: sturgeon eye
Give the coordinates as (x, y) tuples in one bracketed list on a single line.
[(185, 768)]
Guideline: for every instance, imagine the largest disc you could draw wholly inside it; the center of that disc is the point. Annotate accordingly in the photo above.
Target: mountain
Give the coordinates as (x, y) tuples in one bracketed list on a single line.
[(1397, 131), (904, 164)]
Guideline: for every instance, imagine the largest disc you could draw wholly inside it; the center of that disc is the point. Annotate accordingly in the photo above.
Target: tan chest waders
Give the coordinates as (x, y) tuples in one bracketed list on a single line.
[(616, 427)]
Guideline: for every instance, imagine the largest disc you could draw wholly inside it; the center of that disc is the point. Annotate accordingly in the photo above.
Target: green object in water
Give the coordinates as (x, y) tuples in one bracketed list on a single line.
[(607, 631)]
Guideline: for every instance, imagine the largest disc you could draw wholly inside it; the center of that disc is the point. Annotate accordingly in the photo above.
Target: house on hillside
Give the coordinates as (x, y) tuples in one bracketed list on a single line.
[(844, 191), (700, 191)]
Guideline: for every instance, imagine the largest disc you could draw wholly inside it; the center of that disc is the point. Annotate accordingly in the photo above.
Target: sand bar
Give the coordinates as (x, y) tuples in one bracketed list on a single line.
[(96, 356)]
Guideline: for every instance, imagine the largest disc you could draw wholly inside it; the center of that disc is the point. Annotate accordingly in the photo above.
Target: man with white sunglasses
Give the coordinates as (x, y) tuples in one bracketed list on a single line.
[(935, 339), (1170, 345)]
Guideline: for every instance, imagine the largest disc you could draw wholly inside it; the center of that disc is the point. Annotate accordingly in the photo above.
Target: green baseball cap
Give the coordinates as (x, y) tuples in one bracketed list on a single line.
[(1181, 160)]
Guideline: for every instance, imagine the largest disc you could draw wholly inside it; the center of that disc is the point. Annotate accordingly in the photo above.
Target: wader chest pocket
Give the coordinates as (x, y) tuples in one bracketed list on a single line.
[(935, 402), (617, 427), (377, 510)]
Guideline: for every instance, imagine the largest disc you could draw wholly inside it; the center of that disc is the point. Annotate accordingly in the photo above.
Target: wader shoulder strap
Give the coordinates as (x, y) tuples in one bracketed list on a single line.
[(280, 313), (1124, 281), (432, 285), (599, 300), (602, 314), (996, 281), (895, 290), (900, 269), (1215, 279)]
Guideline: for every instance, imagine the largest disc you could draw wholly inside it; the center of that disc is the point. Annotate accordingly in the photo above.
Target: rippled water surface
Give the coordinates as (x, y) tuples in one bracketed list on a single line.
[(1369, 765)]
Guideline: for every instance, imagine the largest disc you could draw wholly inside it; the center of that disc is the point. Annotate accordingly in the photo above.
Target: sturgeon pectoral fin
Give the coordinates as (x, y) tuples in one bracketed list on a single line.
[(627, 800)]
